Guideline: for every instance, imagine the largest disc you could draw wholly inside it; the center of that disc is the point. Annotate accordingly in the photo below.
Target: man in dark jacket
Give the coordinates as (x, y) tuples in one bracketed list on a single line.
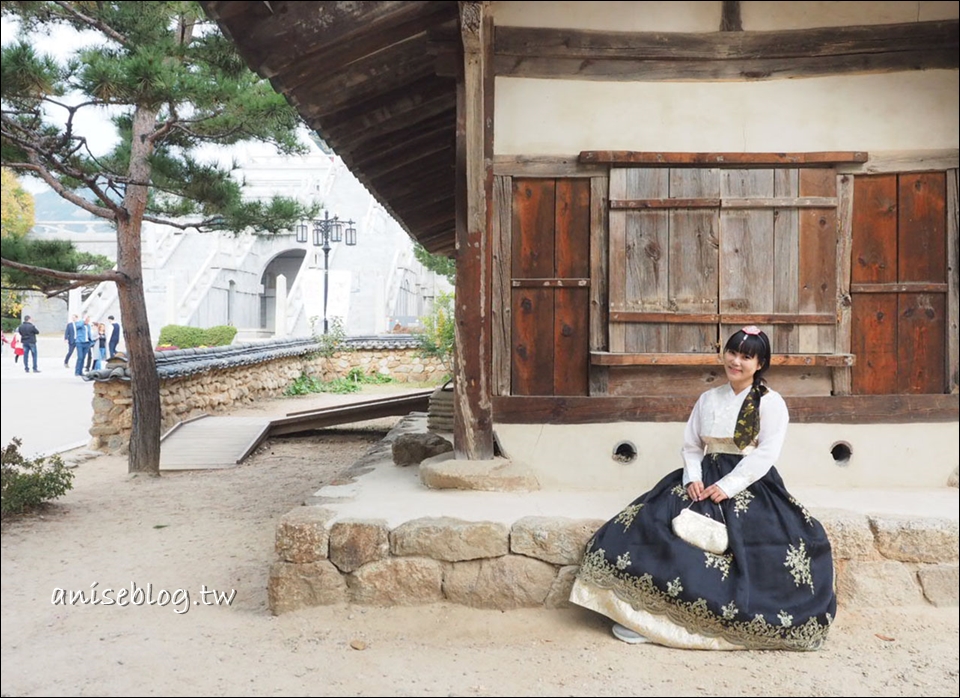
[(70, 337), (114, 337), (28, 337)]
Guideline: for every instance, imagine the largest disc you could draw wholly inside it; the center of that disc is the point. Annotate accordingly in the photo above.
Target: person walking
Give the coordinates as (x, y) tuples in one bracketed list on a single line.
[(114, 336), (70, 337), (16, 346), (84, 343), (101, 347), (28, 337)]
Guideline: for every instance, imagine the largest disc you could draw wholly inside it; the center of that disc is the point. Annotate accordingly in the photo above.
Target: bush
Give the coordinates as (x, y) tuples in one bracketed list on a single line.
[(26, 484), (219, 335), (437, 337), (9, 324), (184, 337), (350, 383)]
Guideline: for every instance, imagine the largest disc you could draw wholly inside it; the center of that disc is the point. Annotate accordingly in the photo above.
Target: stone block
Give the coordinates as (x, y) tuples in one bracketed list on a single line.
[(396, 581), (355, 543), (877, 584), (916, 539), (559, 594), (449, 539), (557, 540), (411, 449), (940, 584), (291, 586), (495, 475), (507, 582), (302, 534), (851, 537)]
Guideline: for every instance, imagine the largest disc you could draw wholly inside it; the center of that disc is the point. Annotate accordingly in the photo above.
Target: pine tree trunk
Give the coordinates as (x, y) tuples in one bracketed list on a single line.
[(144, 456)]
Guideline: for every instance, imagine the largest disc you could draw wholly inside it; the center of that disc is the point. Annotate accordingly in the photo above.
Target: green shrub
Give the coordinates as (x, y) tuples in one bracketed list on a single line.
[(437, 338), (185, 337), (350, 383), (333, 341), (9, 324), (27, 484), (219, 335)]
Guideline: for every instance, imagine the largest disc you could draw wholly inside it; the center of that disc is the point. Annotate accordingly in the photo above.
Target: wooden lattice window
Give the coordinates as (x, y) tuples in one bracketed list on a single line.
[(696, 252)]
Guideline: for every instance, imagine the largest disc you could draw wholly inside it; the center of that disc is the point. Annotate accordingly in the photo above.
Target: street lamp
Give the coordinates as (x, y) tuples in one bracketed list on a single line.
[(327, 231)]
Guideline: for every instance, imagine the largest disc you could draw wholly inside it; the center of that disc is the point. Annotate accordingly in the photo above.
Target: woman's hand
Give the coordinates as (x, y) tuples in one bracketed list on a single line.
[(714, 494), (695, 490)]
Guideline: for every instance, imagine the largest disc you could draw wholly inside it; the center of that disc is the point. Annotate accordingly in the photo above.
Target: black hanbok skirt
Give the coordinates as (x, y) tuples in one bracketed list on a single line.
[(772, 589)]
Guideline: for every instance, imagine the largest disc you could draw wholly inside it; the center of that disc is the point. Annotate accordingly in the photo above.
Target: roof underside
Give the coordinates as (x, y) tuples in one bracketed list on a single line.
[(364, 77)]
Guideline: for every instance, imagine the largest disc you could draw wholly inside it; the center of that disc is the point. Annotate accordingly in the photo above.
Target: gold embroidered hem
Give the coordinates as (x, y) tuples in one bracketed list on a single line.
[(638, 604), (655, 628)]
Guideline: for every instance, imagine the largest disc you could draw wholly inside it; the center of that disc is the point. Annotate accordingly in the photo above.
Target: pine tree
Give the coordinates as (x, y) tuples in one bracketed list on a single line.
[(172, 83)]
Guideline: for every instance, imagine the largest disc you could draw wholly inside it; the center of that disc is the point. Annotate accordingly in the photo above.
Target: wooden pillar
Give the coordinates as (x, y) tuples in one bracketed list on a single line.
[(472, 413)]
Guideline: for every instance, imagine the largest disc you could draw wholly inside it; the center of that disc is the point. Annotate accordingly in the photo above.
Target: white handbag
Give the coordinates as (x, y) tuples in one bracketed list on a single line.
[(701, 531)]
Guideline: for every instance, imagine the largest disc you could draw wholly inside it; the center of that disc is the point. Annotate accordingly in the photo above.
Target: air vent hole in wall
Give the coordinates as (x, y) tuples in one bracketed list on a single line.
[(841, 452), (625, 452)]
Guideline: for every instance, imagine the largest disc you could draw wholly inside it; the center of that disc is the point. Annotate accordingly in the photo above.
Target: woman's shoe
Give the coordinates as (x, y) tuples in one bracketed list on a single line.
[(627, 635)]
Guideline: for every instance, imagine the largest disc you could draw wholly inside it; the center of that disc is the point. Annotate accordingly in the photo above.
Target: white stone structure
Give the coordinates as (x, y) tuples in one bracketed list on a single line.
[(207, 279)]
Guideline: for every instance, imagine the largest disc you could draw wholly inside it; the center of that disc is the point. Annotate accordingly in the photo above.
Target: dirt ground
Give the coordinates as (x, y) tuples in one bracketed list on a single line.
[(186, 531)]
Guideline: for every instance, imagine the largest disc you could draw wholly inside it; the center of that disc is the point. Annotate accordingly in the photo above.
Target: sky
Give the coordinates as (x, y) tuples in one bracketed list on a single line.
[(94, 123)]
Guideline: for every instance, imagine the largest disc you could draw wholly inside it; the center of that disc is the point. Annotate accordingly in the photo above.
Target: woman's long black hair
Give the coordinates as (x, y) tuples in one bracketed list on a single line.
[(751, 342)]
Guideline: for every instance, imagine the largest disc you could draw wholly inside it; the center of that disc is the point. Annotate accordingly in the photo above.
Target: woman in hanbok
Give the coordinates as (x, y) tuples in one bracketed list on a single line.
[(773, 587)]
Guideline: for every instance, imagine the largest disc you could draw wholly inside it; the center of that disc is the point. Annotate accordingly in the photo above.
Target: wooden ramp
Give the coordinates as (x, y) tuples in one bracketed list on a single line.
[(211, 442), (308, 420), (223, 442)]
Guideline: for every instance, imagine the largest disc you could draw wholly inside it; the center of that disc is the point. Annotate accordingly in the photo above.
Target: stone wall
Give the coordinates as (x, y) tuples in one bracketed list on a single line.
[(879, 562), (322, 558), (215, 380)]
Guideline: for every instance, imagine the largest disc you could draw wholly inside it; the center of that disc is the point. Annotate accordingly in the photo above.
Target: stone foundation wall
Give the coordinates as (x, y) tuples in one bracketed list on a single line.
[(320, 559), (879, 562), (217, 389)]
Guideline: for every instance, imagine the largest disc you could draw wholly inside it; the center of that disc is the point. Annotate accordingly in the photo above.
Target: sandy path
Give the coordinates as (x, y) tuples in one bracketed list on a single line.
[(216, 528)]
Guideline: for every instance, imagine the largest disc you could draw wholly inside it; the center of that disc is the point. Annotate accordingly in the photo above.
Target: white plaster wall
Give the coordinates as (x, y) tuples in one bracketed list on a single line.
[(611, 16), (880, 112), (893, 111), (884, 455), (705, 16)]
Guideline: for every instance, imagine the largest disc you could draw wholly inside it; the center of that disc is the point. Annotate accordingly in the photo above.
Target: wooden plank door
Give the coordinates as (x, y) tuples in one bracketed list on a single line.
[(550, 286), (899, 284)]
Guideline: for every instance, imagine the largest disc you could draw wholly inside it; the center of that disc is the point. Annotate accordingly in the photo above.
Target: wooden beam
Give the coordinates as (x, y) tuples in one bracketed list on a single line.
[(843, 377), (724, 318), (328, 36), (730, 16), (402, 64), (851, 409), (760, 202), (725, 55), (626, 158), (408, 115), (602, 358), (953, 281), (472, 415), (550, 283), (545, 166)]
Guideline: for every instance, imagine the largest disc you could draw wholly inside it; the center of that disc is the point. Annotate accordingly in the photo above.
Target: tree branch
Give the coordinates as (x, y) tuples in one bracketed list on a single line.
[(111, 275), (93, 23)]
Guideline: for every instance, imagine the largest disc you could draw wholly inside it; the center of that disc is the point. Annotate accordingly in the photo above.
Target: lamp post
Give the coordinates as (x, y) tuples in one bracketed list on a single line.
[(326, 232)]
